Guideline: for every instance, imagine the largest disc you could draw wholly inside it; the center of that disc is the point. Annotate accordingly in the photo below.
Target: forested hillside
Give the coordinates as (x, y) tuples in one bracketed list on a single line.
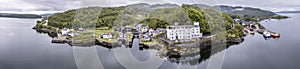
[(209, 19)]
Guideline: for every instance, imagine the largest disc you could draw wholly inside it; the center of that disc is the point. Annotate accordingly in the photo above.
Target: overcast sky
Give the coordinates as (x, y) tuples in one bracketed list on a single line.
[(62, 5)]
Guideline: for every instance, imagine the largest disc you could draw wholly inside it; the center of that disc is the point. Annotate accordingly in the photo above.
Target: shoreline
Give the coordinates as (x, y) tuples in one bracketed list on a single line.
[(60, 40), (186, 47)]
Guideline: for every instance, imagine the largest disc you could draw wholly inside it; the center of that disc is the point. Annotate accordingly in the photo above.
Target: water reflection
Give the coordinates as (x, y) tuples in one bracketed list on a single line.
[(52, 35), (200, 52), (203, 55), (24, 48), (143, 53)]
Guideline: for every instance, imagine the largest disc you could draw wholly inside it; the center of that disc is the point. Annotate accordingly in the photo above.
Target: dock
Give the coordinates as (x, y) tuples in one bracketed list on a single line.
[(60, 40)]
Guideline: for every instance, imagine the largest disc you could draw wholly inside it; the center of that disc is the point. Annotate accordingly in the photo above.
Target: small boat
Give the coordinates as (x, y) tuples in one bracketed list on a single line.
[(275, 35), (252, 33), (267, 34), (251, 29)]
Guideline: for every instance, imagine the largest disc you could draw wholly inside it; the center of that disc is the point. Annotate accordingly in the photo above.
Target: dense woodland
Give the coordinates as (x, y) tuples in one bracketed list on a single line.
[(211, 20)]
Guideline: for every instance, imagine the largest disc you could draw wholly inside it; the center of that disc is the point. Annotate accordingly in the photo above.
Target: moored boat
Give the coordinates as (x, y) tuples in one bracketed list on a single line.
[(267, 34), (275, 35)]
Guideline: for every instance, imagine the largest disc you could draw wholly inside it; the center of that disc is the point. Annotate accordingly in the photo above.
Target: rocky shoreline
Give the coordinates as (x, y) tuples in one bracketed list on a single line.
[(170, 50)]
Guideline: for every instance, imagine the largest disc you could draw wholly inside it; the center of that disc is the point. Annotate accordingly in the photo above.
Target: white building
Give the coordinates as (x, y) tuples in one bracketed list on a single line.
[(145, 29), (184, 32), (65, 31), (106, 36), (46, 23)]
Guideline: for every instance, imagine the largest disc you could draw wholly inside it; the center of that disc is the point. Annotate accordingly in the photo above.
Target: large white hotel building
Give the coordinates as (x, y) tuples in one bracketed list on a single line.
[(183, 32)]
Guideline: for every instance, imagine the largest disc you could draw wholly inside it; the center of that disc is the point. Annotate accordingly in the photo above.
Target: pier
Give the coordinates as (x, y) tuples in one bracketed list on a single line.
[(60, 40)]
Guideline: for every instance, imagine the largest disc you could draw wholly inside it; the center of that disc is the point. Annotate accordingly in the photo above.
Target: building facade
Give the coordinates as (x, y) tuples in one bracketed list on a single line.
[(183, 32)]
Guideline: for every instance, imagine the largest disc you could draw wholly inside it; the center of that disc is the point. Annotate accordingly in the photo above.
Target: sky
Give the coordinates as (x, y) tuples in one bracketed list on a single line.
[(42, 6)]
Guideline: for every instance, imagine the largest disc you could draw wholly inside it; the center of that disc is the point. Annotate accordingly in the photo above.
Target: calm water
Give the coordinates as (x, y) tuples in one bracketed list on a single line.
[(24, 48), (257, 53)]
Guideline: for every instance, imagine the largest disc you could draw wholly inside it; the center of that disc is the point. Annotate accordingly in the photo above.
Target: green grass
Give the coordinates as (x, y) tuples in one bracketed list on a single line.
[(85, 36), (152, 42), (100, 32)]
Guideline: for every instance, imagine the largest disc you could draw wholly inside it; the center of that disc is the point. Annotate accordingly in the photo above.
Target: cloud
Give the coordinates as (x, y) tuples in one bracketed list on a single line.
[(62, 5), (273, 5), (15, 5)]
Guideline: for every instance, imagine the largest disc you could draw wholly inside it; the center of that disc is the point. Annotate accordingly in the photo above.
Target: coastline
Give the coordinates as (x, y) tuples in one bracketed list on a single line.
[(165, 49)]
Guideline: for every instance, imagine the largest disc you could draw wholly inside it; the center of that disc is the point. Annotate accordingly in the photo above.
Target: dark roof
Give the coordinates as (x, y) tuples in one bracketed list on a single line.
[(244, 22), (106, 34)]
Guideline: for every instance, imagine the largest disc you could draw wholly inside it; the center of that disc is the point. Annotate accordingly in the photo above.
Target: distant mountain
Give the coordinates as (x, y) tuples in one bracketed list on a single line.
[(167, 5), (48, 14), (201, 5), (239, 10), (245, 11), (11, 15), (16, 15), (288, 12), (139, 5), (155, 6)]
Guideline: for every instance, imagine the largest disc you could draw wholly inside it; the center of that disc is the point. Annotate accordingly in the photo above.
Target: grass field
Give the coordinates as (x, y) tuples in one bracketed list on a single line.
[(100, 32)]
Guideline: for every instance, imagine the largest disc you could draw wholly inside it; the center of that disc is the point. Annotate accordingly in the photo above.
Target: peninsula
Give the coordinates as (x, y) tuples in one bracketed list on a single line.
[(163, 26)]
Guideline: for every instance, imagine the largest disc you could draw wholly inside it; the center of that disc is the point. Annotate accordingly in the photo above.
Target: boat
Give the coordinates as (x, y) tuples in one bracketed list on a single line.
[(275, 35), (267, 34), (252, 33)]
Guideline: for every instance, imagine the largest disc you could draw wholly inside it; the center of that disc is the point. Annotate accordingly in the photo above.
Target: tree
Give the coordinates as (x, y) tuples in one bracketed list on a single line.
[(155, 23), (198, 16)]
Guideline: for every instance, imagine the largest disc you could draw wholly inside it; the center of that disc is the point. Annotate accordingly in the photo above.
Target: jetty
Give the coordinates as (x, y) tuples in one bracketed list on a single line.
[(60, 40), (268, 33)]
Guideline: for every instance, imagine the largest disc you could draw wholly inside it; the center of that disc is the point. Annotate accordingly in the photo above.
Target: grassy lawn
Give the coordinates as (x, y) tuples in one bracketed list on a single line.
[(85, 36), (153, 41), (100, 32), (95, 34)]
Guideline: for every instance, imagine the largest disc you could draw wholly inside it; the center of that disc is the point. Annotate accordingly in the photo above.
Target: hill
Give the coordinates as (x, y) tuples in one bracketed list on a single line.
[(155, 6), (288, 12), (239, 10), (10, 15), (48, 14), (211, 20)]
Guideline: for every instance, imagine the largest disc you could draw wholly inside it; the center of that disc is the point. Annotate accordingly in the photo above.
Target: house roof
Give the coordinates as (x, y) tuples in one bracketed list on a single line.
[(244, 22), (106, 34), (147, 38), (155, 31), (65, 29)]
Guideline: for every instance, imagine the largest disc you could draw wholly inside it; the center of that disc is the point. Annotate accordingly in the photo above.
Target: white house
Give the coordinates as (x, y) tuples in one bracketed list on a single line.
[(147, 37), (161, 30), (65, 31), (145, 29), (107, 36), (139, 27), (183, 32), (46, 23)]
